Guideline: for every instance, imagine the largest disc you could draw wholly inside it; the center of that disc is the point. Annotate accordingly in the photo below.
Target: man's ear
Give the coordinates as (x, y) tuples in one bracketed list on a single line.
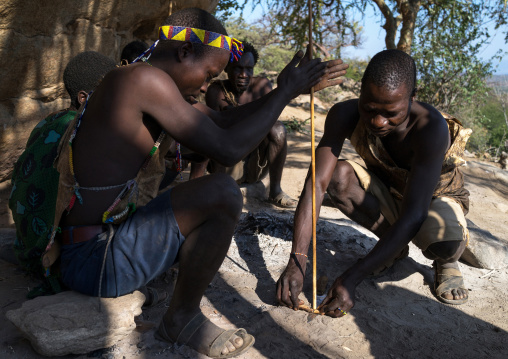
[(413, 94), (186, 50), (82, 95)]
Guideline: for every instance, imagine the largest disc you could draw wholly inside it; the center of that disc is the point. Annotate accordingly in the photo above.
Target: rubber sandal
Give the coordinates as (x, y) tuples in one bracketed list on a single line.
[(283, 200), (153, 296), (215, 347), (449, 279)]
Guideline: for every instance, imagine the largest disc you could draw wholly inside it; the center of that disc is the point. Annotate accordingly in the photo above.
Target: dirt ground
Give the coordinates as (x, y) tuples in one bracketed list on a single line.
[(395, 316)]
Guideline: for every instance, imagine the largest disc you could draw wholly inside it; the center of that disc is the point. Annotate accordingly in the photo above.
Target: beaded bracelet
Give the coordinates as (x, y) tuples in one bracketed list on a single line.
[(301, 254)]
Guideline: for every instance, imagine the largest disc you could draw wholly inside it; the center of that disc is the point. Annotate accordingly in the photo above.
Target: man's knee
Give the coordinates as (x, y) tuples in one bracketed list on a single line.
[(226, 194), (278, 133), (446, 250), (342, 179)]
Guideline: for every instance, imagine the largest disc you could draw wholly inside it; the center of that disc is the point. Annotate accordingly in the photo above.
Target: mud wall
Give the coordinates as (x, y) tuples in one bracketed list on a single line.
[(37, 39)]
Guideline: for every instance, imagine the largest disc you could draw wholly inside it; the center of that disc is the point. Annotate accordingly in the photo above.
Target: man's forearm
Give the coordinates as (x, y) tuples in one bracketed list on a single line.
[(233, 116), (386, 249), (303, 218), (248, 132)]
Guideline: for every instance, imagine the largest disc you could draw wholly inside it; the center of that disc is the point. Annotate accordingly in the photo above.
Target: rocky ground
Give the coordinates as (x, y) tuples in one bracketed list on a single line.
[(395, 316)]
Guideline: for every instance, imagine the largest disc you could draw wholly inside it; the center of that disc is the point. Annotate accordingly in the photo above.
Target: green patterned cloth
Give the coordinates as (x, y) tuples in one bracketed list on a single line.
[(33, 197)]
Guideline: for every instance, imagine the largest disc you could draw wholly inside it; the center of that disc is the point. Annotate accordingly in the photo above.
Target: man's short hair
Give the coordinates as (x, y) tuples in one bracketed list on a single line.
[(84, 72), (391, 69), (248, 47), (132, 50), (199, 19)]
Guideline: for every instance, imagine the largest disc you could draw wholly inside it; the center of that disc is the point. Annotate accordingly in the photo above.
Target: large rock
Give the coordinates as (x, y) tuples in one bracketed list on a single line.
[(71, 323), (484, 249)]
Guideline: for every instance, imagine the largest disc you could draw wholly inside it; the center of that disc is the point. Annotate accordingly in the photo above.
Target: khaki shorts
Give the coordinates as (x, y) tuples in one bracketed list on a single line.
[(445, 220)]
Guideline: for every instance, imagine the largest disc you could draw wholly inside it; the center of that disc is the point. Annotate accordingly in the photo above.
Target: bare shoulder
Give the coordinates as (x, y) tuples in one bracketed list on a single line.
[(430, 122), (261, 84), (430, 132), (343, 117), (214, 96), (138, 81), (215, 88)]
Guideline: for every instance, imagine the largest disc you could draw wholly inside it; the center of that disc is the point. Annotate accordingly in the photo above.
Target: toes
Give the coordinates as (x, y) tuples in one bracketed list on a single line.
[(455, 294), (448, 295), (237, 341), (233, 344)]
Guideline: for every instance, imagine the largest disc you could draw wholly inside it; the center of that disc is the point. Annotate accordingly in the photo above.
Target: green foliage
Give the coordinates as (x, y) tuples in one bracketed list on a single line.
[(356, 68), (493, 120), (296, 125), (446, 51), (272, 56)]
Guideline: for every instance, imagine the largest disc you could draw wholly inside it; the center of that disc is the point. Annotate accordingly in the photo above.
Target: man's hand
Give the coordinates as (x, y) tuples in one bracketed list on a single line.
[(339, 300), (297, 77), (335, 69), (290, 283)]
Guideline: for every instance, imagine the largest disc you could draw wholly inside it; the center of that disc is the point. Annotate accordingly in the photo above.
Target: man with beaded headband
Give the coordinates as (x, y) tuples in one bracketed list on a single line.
[(118, 233)]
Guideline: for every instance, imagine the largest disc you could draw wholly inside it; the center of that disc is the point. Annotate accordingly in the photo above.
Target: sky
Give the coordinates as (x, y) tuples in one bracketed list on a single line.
[(373, 40)]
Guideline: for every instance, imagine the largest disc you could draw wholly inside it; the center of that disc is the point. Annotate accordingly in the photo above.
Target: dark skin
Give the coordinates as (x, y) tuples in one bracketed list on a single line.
[(417, 138), (124, 117), (247, 88)]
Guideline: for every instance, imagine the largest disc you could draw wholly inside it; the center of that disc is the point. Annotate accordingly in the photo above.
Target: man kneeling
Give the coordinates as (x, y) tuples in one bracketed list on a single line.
[(412, 188)]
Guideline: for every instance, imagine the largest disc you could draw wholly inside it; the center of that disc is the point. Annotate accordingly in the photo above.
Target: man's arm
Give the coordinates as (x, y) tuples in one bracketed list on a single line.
[(340, 123), (335, 69), (158, 96), (429, 145)]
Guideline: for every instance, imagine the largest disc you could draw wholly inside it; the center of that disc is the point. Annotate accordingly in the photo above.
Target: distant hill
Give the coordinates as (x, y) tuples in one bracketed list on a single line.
[(499, 81)]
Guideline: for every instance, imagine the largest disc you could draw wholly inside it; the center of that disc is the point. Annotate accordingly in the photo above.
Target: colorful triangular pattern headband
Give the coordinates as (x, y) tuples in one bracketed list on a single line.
[(181, 33)]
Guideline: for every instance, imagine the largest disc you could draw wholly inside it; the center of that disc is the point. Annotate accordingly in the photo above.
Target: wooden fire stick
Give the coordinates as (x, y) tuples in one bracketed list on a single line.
[(313, 171)]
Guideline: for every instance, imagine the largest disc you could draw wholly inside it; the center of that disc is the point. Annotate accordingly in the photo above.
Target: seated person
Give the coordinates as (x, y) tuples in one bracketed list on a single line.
[(131, 51), (116, 232), (269, 157), (410, 190), (35, 181)]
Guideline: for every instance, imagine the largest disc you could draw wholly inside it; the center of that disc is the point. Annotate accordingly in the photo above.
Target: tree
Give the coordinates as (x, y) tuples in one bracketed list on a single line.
[(447, 50), (399, 17)]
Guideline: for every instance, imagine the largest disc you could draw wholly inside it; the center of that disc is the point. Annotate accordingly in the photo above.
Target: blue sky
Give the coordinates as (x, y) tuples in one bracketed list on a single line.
[(373, 40)]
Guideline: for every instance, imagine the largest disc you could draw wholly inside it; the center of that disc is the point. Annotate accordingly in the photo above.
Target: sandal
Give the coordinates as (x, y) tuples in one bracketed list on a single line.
[(153, 296), (216, 346), (445, 281), (283, 200)]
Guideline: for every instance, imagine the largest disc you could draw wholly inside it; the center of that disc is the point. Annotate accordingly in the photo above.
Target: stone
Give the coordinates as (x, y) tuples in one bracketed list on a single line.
[(484, 249), (7, 237), (72, 323), (503, 159)]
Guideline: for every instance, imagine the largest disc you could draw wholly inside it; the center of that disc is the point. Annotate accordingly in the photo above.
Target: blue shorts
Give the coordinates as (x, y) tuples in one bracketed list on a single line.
[(141, 248)]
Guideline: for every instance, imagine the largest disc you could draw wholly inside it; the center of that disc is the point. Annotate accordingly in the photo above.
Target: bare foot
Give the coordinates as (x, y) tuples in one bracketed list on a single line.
[(205, 337), (448, 283)]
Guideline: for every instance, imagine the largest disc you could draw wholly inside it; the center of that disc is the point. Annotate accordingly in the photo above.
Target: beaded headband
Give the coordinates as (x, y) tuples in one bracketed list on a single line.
[(204, 37)]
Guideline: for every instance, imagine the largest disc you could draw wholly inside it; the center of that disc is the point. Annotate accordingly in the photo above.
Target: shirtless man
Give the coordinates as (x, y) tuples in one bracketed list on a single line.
[(269, 157), (411, 190), (117, 232)]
